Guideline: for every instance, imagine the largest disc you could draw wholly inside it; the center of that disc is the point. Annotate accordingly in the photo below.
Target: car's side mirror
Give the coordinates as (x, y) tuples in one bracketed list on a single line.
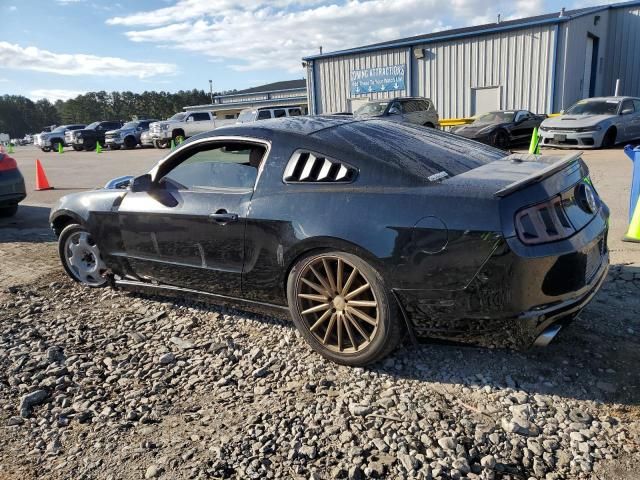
[(394, 111), (627, 111), (119, 183), (142, 183)]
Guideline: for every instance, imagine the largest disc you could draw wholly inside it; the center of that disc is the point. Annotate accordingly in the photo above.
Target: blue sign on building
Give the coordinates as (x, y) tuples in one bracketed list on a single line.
[(378, 79)]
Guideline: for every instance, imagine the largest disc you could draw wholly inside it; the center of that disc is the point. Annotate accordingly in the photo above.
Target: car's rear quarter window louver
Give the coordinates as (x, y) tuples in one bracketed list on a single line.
[(308, 167)]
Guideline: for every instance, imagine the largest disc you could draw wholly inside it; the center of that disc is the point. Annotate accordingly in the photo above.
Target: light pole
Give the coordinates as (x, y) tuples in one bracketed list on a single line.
[(211, 90)]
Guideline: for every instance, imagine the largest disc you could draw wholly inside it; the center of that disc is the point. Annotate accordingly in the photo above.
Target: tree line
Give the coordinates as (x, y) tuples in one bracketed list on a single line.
[(20, 115)]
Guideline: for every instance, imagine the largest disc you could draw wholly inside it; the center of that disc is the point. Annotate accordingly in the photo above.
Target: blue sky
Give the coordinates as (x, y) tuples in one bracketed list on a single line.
[(59, 48)]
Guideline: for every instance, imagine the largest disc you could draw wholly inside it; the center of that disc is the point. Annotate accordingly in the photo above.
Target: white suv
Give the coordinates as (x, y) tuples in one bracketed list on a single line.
[(263, 113)]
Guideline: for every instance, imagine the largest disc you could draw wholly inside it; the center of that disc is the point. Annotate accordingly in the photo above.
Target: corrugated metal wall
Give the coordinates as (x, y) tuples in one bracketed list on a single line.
[(517, 61), (623, 52), (570, 66)]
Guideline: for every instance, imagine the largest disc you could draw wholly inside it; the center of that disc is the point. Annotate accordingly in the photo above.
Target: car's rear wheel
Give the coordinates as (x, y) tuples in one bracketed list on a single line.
[(77, 148), (500, 139), (8, 211), (114, 147), (130, 142), (609, 139), (55, 146), (46, 149), (342, 308), (81, 257)]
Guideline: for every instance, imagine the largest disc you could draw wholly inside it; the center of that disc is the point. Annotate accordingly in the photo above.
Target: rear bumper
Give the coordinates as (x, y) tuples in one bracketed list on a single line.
[(515, 296), (12, 188)]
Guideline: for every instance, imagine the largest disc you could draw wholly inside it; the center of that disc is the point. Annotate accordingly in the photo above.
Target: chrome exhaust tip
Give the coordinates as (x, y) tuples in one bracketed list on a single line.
[(545, 337)]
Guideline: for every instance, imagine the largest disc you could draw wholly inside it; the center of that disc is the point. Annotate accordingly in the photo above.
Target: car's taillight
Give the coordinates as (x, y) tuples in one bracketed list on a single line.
[(544, 222), (7, 163)]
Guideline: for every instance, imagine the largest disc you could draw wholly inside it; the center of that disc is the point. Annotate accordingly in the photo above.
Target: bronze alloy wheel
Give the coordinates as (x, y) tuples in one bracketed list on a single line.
[(337, 304), (343, 308)]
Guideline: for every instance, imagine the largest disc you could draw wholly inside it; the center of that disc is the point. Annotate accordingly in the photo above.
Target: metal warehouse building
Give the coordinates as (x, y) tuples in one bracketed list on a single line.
[(543, 64), (288, 92)]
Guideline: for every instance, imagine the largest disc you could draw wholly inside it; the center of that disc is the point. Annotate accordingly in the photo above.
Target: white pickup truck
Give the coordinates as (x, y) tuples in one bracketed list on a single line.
[(183, 125)]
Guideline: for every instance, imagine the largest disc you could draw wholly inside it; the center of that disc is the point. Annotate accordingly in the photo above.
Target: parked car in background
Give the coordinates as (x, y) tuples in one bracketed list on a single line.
[(184, 125), (501, 128), (128, 136), (50, 141), (263, 113), (12, 188), (146, 140), (86, 139), (594, 123), (416, 110), (361, 229)]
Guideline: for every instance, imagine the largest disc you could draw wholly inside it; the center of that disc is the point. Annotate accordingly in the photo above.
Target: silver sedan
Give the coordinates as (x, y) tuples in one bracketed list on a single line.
[(594, 123)]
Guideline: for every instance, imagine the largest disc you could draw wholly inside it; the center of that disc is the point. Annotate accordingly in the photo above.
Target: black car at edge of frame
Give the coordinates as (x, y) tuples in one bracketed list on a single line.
[(365, 230)]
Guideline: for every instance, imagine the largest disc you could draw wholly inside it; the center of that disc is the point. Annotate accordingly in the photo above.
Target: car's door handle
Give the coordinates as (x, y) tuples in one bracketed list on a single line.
[(222, 217)]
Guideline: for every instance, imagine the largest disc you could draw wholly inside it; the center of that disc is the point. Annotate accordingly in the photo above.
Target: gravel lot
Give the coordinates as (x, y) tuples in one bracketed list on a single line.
[(106, 384)]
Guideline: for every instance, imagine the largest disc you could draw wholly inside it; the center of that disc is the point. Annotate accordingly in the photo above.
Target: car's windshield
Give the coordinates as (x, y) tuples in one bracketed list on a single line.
[(495, 117), (133, 124), (371, 108), (246, 116), (178, 116), (92, 126), (59, 129), (594, 107)]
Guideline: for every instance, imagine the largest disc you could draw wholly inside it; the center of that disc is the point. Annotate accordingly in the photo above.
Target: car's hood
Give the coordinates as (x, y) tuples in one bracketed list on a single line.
[(115, 132), (471, 130), (164, 122), (575, 121), (83, 131)]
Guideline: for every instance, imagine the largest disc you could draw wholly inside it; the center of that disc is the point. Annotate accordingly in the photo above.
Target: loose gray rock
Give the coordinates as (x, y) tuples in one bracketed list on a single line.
[(31, 400), (488, 461), (447, 443), (167, 358), (181, 343)]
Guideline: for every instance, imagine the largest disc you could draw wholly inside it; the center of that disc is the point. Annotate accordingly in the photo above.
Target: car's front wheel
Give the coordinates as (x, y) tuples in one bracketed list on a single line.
[(130, 142), (343, 309), (81, 257), (500, 139), (609, 139)]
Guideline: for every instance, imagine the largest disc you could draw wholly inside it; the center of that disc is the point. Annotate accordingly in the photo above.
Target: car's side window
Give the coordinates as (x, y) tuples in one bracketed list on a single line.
[(264, 114), (294, 112), (220, 166), (200, 117), (281, 112), (636, 104), (627, 105)]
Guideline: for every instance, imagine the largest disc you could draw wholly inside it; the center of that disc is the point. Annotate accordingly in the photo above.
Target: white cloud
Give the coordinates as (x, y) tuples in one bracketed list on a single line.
[(12, 8), (54, 94), (36, 59), (264, 34), (68, 2)]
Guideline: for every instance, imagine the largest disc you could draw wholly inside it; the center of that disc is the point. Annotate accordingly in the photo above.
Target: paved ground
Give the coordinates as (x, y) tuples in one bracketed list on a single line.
[(135, 386)]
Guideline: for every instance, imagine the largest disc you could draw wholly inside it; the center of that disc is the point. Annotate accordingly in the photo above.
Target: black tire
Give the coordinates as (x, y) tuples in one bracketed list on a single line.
[(89, 147), (130, 142), (609, 139), (160, 144), (114, 147), (8, 211), (77, 148), (429, 125), (176, 136), (386, 335), (55, 146), (500, 139), (46, 149), (67, 232)]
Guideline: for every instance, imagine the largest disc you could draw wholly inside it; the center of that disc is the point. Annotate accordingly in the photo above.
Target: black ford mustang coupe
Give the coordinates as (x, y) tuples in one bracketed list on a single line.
[(501, 129), (364, 230)]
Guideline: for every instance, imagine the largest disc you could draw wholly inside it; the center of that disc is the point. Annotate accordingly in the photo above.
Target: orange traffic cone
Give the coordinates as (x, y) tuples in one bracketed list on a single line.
[(41, 178)]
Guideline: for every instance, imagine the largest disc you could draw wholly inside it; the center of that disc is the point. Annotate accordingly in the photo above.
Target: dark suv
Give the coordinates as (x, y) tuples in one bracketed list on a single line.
[(417, 110), (86, 139)]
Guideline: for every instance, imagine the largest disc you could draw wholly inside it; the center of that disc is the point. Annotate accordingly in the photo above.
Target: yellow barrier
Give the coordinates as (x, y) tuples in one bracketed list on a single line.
[(455, 122)]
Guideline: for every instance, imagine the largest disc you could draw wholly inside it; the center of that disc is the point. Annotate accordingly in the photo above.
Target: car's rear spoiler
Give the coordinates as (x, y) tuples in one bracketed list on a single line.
[(539, 175)]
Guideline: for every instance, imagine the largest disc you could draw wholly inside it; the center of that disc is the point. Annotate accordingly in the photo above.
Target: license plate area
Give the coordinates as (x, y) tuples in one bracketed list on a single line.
[(559, 137), (594, 260)]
